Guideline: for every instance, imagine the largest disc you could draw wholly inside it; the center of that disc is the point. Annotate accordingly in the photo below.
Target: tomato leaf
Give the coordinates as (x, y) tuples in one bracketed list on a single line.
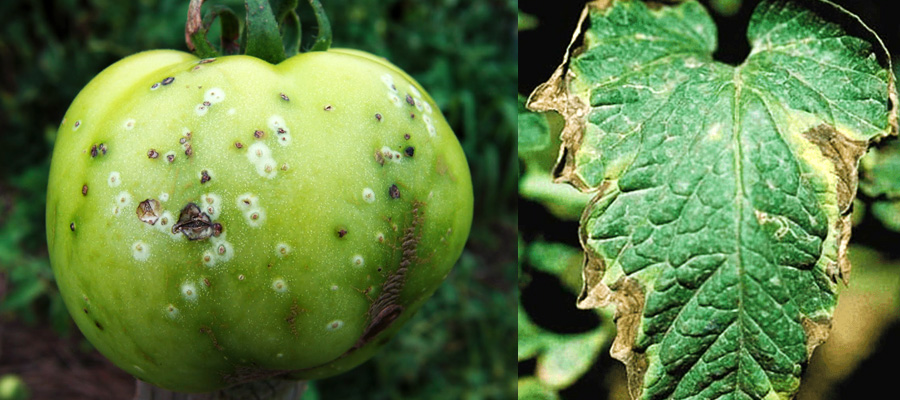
[(722, 214)]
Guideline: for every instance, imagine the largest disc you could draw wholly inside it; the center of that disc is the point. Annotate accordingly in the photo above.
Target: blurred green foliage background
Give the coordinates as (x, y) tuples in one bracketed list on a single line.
[(463, 51)]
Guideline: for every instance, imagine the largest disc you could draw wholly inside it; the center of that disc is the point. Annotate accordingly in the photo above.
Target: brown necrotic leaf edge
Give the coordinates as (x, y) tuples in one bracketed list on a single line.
[(627, 294)]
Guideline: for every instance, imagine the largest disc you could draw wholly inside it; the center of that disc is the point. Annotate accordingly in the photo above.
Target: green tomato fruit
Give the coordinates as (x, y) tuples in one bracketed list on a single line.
[(217, 221)]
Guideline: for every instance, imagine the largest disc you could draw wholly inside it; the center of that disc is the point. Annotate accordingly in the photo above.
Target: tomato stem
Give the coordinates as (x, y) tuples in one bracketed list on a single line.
[(196, 29), (271, 30)]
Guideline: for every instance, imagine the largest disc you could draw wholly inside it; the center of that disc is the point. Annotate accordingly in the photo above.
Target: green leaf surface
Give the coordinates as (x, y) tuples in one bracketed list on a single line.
[(722, 216)]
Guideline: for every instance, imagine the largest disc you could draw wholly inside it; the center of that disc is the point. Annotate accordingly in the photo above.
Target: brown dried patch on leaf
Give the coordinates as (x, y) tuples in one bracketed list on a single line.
[(628, 296), (554, 95), (844, 154), (594, 293), (816, 332)]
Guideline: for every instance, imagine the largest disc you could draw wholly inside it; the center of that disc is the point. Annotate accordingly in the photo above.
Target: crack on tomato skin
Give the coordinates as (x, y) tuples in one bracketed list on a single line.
[(291, 319), (212, 336), (196, 225), (386, 308)]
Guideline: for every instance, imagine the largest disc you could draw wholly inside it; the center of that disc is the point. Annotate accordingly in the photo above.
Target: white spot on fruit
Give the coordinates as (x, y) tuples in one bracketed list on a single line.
[(115, 179), (255, 217), (261, 157), (171, 311), (221, 248), (279, 286), (189, 291), (426, 106), (390, 155), (129, 124), (140, 251), (334, 325), (201, 109), (414, 91), (258, 151), (76, 125), (334, 288), (123, 198), (357, 261), (214, 95), (208, 258), (163, 196), (275, 122), (231, 111), (379, 237), (211, 204), (282, 249), (247, 201), (368, 195), (388, 81), (395, 99)]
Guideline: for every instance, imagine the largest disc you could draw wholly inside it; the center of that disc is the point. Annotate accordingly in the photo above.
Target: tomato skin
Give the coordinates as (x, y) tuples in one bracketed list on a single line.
[(340, 193)]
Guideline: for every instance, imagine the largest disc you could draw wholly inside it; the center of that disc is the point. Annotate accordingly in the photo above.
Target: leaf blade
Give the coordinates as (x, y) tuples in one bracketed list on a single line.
[(721, 221)]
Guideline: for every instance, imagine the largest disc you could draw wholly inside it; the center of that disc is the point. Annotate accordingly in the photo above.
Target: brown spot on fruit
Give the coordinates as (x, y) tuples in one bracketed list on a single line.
[(168, 80), (409, 100), (152, 154), (72, 227), (329, 107), (238, 145), (259, 134), (394, 192), (204, 177), (194, 224), (284, 97), (93, 150), (148, 211), (406, 136), (341, 232), (409, 151), (378, 117), (84, 190)]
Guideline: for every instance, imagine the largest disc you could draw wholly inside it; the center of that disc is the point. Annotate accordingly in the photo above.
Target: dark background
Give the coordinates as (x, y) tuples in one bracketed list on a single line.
[(462, 51), (551, 305)]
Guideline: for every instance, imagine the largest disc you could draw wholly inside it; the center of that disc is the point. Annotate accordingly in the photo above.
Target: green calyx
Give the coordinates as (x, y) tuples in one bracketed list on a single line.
[(271, 30)]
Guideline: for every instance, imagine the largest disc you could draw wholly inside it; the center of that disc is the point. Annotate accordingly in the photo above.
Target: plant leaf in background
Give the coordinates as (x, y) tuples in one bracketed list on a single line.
[(561, 358), (881, 181), (722, 217)]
